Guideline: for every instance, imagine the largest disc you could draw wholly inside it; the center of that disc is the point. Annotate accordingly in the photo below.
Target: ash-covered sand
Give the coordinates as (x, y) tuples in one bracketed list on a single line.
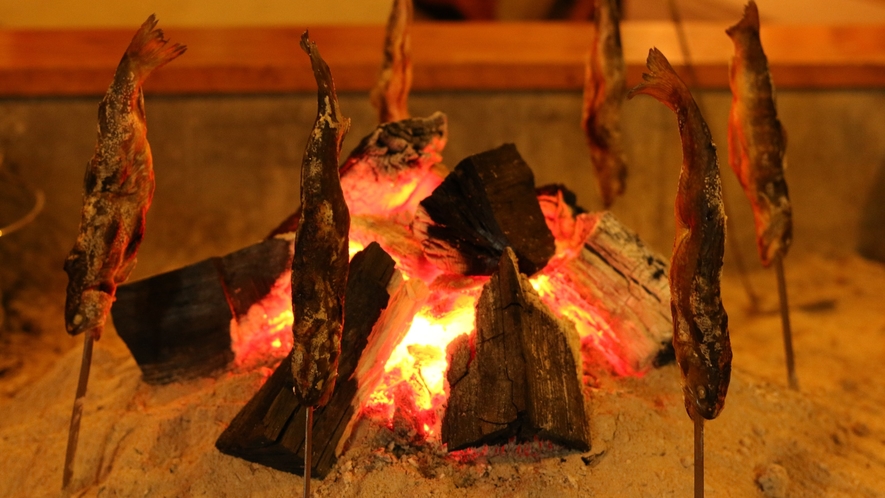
[(827, 440)]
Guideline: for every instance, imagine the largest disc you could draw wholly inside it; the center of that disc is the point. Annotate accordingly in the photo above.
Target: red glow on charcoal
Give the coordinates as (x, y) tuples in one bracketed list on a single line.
[(266, 330), (593, 327), (354, 247), (414, 377), (412, 392)]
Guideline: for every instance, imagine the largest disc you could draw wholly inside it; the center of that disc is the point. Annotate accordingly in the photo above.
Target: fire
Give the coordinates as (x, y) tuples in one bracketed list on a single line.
[(415, 373), (413, 389), (593, 327), (354, 247), (265, 330)]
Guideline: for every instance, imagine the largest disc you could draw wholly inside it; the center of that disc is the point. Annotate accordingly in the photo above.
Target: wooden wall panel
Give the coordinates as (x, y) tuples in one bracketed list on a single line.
[(453, 56)]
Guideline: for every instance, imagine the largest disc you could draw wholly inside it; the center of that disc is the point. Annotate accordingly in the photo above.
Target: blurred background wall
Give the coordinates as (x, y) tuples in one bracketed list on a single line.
[(115, 13), (227, 166)]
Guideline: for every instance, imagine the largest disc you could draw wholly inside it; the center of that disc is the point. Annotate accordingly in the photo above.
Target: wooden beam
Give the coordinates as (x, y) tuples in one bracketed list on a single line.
[(446, 56)]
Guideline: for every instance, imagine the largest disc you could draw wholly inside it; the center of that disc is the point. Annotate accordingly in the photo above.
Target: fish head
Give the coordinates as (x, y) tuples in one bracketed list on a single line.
[(87, 310), (704, 391)]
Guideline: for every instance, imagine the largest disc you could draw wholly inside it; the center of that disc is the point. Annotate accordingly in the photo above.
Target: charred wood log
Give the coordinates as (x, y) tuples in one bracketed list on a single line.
[(618, 278), (270, 429), (486, 204), (177, 324), (395, 167), (391, 170), (521, 376)]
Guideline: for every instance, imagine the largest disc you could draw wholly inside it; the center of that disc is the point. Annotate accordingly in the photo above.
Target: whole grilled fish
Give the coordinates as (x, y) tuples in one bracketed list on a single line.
[(118, 187), (756, 139), (391, 94), (700, 324), (320, 264), (604, 90)]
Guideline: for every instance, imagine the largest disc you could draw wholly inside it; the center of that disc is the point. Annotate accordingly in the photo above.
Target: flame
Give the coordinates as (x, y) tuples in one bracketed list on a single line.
[(413, 390), (353, 247), (593, 326), (419, 362)]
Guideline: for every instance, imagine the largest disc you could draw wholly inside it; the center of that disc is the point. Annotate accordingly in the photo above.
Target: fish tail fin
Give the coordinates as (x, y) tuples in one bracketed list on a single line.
[(748, 23), (150, 50), (661, 81)]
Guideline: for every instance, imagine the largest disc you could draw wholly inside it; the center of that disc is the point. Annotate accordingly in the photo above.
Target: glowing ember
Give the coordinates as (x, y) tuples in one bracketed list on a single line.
[(413, 389), (594, 329), (354, 247), (420, 360)]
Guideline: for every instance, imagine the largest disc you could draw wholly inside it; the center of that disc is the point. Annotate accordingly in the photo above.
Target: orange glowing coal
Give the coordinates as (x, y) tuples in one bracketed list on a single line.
[(415, 373), (413, 386), (414, 382)]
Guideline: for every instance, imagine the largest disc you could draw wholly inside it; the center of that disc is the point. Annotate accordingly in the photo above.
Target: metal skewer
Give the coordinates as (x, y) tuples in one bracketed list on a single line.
[(77, 412), (308, 449), (785, 322), (698, 456)]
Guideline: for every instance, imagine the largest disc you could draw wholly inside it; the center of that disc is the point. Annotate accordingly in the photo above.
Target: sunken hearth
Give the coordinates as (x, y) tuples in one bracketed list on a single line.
[(477, 303)]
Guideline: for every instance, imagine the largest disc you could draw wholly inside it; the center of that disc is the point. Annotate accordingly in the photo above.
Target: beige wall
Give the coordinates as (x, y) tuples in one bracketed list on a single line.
[(126, 13)]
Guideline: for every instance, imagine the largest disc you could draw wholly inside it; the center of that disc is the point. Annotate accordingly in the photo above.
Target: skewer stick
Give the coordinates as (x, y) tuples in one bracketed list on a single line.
[(308, 449), (77, 412), (785, 321), (732, 242), (698, 456)]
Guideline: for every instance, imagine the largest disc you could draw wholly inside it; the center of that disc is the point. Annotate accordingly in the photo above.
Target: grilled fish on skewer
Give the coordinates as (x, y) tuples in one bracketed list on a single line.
[(118, 189), (391, 93), (700, 323), (756, 139), (604, 92), (319, 268), (756, 144)]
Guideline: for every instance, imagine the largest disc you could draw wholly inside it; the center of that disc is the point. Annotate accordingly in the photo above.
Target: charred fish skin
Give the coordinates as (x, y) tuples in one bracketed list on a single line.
[(118, 187), (700, 323), (757, 140), (605, 89), (319, 267)]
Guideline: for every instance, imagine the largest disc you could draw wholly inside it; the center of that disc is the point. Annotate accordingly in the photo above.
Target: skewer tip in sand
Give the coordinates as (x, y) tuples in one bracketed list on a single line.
[(308, 449), (785, 322), (77, 411)]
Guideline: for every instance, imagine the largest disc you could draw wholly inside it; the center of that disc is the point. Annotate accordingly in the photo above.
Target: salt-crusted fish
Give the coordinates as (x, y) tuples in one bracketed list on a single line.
[(756, 139), (118, 187), (700, 324), (320, 264), (604, 90)]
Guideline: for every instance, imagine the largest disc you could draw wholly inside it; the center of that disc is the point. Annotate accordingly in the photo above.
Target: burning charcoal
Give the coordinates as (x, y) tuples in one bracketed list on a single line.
[(523, 376), (486, 204), (390, 95), (561, 213), (270, 429), (178, 324), (618, 290), (395, 167), (390, 171)]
